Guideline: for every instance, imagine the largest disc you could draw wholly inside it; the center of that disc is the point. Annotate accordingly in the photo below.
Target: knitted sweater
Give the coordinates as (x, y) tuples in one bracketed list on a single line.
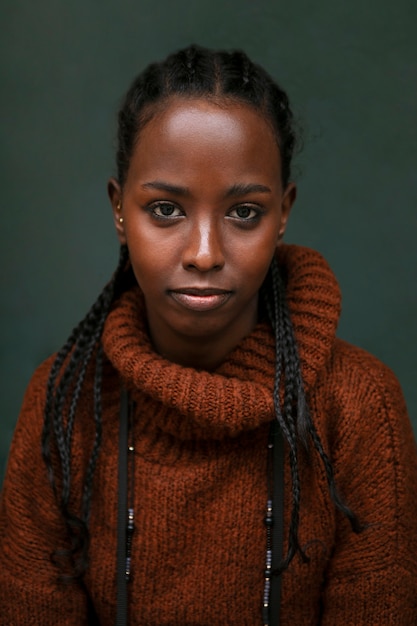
[(200, 485)]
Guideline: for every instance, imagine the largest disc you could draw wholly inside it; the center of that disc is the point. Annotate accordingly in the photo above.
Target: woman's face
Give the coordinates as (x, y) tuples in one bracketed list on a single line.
[(203, 211)]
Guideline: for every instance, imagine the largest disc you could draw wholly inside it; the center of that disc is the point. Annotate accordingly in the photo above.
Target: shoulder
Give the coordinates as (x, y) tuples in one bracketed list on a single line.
[(35, 394), (39, 380), (372, 445), (355, 371), (359, 402), (27, 434), (354, 391), (363, 412)]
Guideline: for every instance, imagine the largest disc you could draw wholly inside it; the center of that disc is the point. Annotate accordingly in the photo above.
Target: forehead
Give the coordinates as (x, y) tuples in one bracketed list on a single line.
[(196, 134)]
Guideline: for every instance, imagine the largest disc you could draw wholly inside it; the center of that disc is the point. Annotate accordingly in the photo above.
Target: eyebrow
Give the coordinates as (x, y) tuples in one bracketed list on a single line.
[(239, 189), (161, 186)]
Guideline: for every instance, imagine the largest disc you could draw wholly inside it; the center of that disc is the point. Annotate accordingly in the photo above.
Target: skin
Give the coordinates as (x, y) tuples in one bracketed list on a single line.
[(203, 210)]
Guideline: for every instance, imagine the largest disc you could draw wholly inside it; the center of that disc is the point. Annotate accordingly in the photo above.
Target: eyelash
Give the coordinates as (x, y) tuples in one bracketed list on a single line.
[(158, 205), (251, 208), (244, 221)]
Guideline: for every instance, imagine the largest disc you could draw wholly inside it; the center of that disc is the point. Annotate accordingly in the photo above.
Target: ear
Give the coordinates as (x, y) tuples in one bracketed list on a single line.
[(115, 195), (288, 200)]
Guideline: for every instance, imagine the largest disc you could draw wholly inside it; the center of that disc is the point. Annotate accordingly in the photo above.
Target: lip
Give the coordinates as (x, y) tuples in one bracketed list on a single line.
[(197, 299)]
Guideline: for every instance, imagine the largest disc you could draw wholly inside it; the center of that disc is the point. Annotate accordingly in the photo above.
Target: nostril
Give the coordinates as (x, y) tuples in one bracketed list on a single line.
[(203, 264)]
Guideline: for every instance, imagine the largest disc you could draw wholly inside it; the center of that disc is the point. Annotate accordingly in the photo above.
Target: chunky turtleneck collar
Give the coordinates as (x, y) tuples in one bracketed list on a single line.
[(237, 396)]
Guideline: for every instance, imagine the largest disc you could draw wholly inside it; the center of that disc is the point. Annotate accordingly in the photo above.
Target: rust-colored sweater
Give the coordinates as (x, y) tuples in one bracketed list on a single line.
[(200, 483)]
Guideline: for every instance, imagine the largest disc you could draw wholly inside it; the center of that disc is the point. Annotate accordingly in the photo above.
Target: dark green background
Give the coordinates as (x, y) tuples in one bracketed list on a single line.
[(350, 68)]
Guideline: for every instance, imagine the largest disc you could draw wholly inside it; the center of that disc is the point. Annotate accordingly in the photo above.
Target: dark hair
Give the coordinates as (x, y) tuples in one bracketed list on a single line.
[(197, 72), (192, 72)]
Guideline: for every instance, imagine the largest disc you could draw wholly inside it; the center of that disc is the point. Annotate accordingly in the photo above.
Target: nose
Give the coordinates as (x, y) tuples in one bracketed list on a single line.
[(203, 250)]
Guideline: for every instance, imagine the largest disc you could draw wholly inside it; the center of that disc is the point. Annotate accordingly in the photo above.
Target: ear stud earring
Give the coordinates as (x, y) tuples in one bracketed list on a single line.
[(119, 206)]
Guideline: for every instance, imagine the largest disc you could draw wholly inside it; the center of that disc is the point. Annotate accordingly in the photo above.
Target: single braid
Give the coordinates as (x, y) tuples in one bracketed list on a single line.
[(357, 527), (98, 376), (285, 415)]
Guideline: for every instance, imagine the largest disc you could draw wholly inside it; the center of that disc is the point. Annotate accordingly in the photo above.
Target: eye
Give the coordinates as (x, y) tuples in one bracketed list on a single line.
[(165, 210), (245, 212)]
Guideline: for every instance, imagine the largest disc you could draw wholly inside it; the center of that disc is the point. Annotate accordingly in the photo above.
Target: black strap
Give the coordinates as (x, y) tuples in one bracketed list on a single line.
[(278, 528), (121, 614)]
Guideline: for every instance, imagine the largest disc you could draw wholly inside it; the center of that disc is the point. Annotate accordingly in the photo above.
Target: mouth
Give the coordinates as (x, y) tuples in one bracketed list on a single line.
[(200, 299)]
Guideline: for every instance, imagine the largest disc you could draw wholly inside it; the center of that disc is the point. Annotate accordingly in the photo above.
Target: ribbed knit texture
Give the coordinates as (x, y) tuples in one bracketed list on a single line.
[(200, 483)]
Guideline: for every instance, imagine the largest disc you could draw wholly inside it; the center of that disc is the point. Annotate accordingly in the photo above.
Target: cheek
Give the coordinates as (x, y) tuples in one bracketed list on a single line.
[(144, 263), (259, 268), (146, 253), (256, 256)]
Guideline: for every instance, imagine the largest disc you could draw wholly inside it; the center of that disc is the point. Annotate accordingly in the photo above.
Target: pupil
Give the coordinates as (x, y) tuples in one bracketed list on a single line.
[(243, 211), (167, 209)]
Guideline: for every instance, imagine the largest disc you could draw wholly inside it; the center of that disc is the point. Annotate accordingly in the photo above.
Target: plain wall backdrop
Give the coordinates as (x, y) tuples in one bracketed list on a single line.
[(350, 70)]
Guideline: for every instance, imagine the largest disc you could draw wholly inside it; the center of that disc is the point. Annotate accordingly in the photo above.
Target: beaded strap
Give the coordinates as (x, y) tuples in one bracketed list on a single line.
[(274, 522), (121, 612)]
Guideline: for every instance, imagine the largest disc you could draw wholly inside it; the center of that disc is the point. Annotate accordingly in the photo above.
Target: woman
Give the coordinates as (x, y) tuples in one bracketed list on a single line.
[(212, 344)]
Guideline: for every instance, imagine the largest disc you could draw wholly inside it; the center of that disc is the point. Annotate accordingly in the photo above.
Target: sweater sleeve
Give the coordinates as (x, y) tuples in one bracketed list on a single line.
[(372, 576), (31, 529)]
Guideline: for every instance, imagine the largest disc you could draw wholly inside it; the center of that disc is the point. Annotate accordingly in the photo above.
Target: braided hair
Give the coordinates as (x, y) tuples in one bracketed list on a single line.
[(192, 72)]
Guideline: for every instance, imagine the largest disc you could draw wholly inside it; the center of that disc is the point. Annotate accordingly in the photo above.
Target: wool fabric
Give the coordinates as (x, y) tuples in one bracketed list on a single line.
[(200, 485)]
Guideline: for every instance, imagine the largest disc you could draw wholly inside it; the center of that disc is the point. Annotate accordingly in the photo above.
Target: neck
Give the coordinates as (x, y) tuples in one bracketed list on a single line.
[(200, 353)]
